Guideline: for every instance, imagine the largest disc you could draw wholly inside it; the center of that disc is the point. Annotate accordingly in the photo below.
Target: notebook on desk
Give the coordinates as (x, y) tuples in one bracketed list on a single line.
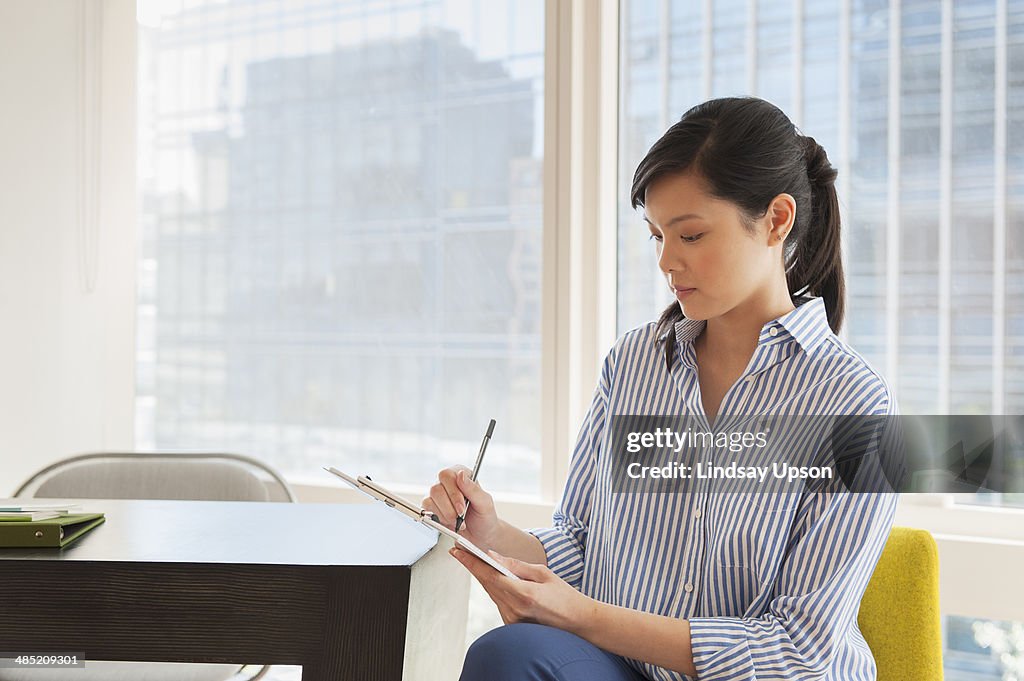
[(393, 501), (52, 533)]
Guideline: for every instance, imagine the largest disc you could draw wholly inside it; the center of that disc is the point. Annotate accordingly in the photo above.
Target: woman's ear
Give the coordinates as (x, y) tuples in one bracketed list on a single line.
[(781, 216)]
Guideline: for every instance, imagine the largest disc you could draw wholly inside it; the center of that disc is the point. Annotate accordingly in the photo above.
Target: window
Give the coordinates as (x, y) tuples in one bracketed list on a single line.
[(982, 649), (341, 233), (926, 156)]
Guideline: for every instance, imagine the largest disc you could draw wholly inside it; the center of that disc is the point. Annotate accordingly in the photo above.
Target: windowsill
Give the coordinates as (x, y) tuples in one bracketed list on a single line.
[(941, 515), (978, 577)]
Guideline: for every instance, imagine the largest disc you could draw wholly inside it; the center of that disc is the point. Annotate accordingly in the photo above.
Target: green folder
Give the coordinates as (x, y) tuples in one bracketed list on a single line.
[(52, 533)]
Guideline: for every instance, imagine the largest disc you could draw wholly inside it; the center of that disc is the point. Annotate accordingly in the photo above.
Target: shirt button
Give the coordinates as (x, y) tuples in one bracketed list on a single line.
[(688, 588), (696, 514), (773, 331), (749, 379)]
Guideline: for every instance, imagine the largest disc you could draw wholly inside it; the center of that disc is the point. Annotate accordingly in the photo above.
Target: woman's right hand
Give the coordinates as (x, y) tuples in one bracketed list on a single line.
[(448, 499)]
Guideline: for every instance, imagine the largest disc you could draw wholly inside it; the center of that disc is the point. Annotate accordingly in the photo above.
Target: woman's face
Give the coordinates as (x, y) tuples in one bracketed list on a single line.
[(710, 259)]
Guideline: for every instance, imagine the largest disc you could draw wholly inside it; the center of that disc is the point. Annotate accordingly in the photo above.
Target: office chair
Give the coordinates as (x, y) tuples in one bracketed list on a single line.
[(899, 613), (134, 475)]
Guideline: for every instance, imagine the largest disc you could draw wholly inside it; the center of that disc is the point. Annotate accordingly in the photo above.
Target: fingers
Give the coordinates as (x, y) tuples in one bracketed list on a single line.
[(447, 480), (529, 571), (441, 504), (427, 504), (467, 486), (513, 598), (484, 573), (448, 497), (472, 490)]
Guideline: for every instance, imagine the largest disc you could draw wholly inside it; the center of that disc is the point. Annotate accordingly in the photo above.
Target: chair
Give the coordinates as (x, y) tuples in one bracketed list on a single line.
[(134, 475), (899, 612)]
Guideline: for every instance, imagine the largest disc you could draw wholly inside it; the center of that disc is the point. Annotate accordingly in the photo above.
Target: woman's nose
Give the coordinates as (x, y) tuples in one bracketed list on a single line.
[(669, 259)]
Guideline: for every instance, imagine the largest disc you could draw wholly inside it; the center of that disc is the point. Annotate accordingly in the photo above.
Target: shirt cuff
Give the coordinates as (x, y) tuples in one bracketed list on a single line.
[(564, 556), (719, 647)]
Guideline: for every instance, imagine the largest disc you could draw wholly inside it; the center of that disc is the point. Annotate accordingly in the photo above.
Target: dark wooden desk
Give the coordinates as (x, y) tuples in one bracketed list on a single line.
[(351, 592)]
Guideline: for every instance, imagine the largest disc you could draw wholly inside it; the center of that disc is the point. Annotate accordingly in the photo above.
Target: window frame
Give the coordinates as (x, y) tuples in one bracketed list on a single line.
[(580, 187)]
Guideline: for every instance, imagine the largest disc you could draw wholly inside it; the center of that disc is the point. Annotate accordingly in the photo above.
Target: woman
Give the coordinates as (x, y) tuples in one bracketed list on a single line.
[(744, 213)]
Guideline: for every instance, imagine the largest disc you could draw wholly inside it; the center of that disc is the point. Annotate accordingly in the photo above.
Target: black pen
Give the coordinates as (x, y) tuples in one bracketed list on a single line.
[(476, 469)]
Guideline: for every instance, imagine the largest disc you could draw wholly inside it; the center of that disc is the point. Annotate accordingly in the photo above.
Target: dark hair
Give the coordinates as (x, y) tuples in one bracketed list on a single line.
[(748, 152)]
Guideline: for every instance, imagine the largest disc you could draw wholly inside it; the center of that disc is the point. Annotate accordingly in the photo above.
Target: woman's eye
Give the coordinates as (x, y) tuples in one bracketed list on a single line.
[(691, 239), (654, 237)]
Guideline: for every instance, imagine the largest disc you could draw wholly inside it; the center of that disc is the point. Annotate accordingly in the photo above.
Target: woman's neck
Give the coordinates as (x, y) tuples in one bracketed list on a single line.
[(731, 338)]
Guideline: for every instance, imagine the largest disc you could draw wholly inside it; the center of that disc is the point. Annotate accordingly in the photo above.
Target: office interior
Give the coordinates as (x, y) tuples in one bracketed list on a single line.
[(350, 232)]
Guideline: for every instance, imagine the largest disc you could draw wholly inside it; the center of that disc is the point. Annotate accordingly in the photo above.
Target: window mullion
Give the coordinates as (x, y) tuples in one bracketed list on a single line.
[(579, 209)]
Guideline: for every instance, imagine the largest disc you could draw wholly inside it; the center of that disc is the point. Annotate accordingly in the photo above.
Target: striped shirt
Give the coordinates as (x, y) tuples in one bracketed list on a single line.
[(771, 589)]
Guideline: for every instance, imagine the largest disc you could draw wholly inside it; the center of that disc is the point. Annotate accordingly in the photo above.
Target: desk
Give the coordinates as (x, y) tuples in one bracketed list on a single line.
[(351, 592)]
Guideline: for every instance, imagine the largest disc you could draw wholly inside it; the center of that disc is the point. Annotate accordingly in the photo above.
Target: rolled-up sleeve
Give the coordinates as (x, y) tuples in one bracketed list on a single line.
[(565, 542), (837, 539)]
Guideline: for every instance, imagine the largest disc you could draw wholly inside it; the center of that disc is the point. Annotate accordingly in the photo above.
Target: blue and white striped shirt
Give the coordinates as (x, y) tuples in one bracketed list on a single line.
[(770, 592)]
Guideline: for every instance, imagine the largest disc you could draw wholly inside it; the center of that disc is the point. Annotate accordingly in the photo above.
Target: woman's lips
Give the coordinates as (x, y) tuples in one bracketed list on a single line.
[(683, 292)]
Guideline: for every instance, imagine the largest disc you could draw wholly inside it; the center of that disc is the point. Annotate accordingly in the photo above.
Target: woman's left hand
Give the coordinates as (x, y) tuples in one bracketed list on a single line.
[(539, 595)]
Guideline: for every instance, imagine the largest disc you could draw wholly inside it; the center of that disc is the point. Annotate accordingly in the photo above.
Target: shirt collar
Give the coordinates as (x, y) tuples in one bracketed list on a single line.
[(807, 324)]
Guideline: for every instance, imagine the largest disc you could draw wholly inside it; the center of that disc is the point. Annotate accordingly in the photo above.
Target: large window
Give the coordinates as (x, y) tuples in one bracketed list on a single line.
[(920, 106), (341, 233)]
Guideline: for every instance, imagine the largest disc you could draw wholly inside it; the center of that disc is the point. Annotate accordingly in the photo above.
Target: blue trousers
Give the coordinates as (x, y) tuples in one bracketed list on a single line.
[(535, 652)]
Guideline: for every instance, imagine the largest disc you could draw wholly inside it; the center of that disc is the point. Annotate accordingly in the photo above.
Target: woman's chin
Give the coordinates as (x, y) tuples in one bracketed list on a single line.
[(689, 310)]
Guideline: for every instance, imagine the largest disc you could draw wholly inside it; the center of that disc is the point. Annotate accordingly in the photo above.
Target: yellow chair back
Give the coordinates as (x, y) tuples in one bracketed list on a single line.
[(899, 613)]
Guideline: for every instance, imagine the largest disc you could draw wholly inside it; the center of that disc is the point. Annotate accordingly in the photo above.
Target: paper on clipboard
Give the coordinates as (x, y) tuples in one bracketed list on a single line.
[(370, 488)]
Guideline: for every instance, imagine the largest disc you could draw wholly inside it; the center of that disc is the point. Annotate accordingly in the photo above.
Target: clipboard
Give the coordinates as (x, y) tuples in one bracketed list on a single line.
[(392, 500)]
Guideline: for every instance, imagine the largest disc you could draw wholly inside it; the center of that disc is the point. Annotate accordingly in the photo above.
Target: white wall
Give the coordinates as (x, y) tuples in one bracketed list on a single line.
[(66, 342)]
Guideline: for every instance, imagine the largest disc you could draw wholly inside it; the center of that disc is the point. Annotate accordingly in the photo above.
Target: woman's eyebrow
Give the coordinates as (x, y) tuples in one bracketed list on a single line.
[(678, 218)]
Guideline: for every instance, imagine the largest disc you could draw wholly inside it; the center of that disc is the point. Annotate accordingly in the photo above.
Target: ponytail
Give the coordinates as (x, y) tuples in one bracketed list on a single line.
[(816, 267), (666, 325)]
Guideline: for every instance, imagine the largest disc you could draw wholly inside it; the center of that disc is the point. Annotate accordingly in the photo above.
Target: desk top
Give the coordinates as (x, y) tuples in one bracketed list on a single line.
[(157, 531)]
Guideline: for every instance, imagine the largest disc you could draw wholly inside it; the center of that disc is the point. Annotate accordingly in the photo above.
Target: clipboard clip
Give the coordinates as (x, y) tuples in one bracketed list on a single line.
[(367, 486)]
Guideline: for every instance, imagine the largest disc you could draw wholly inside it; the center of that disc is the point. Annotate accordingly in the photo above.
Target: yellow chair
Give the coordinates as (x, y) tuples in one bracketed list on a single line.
[(899, 613)]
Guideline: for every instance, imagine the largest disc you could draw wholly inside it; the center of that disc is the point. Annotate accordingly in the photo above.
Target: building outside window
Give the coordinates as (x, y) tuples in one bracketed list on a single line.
[(341, 234)]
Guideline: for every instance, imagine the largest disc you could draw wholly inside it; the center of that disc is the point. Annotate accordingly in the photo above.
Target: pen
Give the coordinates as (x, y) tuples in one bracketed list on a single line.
[(476, 470)]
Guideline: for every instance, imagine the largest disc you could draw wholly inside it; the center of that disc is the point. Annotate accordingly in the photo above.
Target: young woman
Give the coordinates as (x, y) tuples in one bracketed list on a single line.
[(745, 219)]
